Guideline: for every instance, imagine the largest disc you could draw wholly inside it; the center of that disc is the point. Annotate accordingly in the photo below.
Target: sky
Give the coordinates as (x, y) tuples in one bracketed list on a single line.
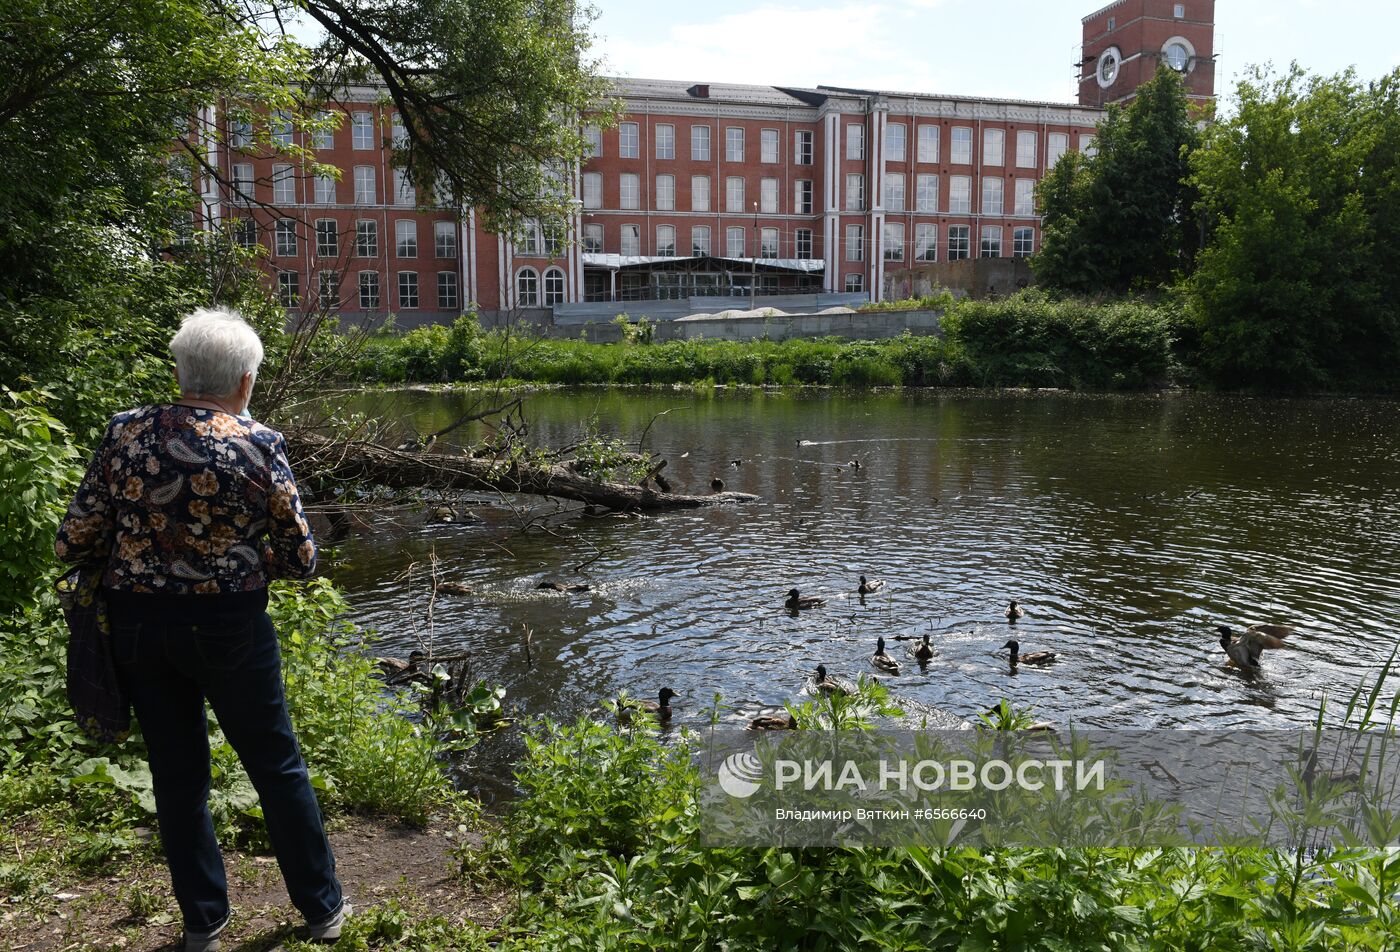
[(1014, 49)]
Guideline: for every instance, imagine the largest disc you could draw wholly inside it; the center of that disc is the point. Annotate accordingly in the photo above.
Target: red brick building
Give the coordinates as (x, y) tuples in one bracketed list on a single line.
[(703, 190)]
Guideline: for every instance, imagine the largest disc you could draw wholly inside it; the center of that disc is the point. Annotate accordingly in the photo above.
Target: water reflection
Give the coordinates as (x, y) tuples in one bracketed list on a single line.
[(1127, 527)]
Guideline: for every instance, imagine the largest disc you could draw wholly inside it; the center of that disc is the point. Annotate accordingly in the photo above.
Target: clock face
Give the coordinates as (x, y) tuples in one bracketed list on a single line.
[(1177, 57), (1108, 66)]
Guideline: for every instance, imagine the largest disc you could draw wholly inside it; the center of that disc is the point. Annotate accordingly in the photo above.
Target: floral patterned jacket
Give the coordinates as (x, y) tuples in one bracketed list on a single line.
[(182, 500)]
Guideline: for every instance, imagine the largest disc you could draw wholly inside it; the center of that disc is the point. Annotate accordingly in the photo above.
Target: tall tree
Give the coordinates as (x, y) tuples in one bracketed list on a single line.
[(1123, 219), (1299, 285)]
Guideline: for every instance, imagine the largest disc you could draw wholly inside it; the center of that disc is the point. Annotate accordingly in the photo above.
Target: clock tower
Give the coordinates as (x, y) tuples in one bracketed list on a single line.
[(1126, 42)]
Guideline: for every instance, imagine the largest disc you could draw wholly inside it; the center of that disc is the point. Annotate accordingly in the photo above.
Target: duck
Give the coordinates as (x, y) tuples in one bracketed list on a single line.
[(796, 600), (717, 484), (1034, 657), (855, 465), (445, 514), (398, 666), (1245, 650), (736, 463), (549, 585), (823, 683), (1014, 611), (883, 661), (923, 651), (869, 588), (773, 722), (453, 588), (660, 708)]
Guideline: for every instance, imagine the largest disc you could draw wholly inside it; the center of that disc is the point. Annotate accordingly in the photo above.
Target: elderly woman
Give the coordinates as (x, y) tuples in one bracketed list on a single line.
[(191, 508)]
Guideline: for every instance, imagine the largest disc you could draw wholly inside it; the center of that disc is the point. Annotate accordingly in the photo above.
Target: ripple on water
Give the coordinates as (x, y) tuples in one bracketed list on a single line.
[(1127, 526)]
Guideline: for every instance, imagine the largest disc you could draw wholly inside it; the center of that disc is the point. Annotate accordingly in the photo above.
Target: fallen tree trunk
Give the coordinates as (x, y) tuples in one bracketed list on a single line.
[(399, 469)]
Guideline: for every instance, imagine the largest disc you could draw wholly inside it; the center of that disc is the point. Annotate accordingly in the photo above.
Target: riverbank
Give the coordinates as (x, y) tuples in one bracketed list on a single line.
[(1025, 341)]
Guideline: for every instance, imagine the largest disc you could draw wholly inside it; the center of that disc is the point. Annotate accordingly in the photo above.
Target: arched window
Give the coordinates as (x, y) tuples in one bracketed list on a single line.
[(553, 287), (527, 287)]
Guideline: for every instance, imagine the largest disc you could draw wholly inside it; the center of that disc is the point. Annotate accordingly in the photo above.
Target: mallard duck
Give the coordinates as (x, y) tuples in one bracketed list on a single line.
[(736, 463), (821, 682), (796, 600), (552, 586), (445, 514), (773, 722), (660, 708), (1245, 650), (923, 651), (883, 661), (1034, 657), (717, 484), (1014, 611), (453, 588), (869, 588), (855, 465), (398, 666)]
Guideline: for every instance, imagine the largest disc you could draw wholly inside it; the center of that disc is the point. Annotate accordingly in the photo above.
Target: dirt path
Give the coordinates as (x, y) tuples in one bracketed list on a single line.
[(132, 908)]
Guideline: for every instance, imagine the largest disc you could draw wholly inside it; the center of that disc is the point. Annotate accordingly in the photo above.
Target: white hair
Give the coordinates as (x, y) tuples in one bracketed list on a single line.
[(213, 349)]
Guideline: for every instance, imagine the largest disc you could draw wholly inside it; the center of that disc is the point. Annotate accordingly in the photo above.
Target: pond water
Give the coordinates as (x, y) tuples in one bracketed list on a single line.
[(1127, 526)]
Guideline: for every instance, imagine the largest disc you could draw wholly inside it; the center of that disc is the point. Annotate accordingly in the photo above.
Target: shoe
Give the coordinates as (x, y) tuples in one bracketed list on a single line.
[(205, 941), (329, 931)]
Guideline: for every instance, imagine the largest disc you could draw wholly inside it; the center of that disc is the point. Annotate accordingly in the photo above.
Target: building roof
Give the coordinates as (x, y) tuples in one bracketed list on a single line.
[(615, 262), (853, 91), (718, 92)]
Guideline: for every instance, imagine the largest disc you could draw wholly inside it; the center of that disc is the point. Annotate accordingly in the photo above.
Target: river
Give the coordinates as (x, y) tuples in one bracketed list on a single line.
[(1127, 526)]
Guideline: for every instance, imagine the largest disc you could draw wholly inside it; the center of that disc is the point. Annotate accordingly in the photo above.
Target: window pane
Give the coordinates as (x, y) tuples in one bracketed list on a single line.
[(926, 243), (734, 144), (804, 243), (665, 141), (666, 240), (992, 199), (927, 198), (803, 148), (855, 141), (895, 142), (406, 239), (960, 194), (627, 140), (665, 193), (958, 239), (700, 193), (1056, 145), (734, 242), (445, 239), (593, 239), (325, 190), (1025, 197), (447, 289), (734, 194), (768, 196), (369, 289), (1025, 150), (928, 143), (367, 239), (768, 243), (404, 192), (527, 288), (631, 239), (553, 287), (408, 289), (593, 190), (1023, 242), (593, 139), (630, 193), (855, 243), (894, 191), (364, 185), (327, 238), (855, 192), (323, 138), (962, 146), (768, 146), (893, 241), (700, 143), (284, 185), (993, 147), (362, 131), (700, 241), (288, 288), (285, 238)]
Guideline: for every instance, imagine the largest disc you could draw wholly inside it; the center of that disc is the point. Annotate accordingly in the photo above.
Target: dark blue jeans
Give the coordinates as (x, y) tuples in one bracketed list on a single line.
[(169, 667)]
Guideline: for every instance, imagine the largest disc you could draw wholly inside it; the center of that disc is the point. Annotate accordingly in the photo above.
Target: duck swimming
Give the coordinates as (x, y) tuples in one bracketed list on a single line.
[(883, 661), (773, 722), (923, 651), (869, 588), (660, 708), (1034, 657), (821, 682), (1245, 650), (1014, 611), (796, 600), (552, 586), (717, 484)]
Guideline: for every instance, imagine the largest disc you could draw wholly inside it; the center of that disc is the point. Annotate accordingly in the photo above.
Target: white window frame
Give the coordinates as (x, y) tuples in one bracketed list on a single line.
[(854, 283), (1023, 205), (768, 196), (405, 195), (896, 142), (926, 193), (994, 147), (894, 196), (993, 195), (734, 194), (962, 234), (630, 235), (734, 242), (554, 287), (700, 142), (803, 147), (666, 193), (362, 131), (366, 248), (405, 238), (665, 144), (892, 241), (1056, 145), (804, 197), (802, 244), (366, 188), (769, 243), (284, 238), (960, 195), (734, 143), (444, 302), (284, 184), (527, 287), (592, 141), (661, 240), (629, 191), (325, 189), (855, 141), (769, 145), (855, 242), (990, 241), (855, 191), (1020, 249), (925, 242), (929, 136), (371, 296), (327, 238), (700, 197), (1027, 147), (289, 288), (628, 146), (444, 239), (960, 147), (592, 189), (700, 241), (593, 239)]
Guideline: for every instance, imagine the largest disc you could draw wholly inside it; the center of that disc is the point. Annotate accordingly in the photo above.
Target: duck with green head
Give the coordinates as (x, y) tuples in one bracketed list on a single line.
[(1033, 657), (883, 661), (796, 600), (660, 708)]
